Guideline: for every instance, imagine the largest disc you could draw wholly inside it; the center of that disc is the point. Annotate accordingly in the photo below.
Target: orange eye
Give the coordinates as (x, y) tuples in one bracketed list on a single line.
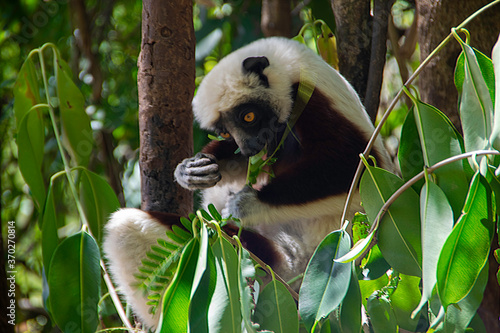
[(249, 117), (225, 135)]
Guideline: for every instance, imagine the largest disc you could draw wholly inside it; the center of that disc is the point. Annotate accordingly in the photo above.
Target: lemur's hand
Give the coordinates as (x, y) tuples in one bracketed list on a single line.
[(198, 172), (241, 204)]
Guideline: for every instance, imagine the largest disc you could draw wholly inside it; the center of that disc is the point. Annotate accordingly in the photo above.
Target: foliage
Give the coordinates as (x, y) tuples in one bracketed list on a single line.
[(434, 225)]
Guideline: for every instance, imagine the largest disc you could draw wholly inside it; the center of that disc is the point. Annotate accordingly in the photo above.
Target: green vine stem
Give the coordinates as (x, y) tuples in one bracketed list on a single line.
[(376, 132)]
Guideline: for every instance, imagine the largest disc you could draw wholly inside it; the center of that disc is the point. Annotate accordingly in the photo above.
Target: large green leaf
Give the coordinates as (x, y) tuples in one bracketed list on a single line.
[(439, 140), (466, 250), (457, 318), (99, 201), (399, 230), (225, 310), (437, 223), (30, 143), (325, 281), (26, 90), (203, 286), (382, 316), (495, 135), (403, 301), (74, 280), (177, 297), (473, 76), (77, 133), (276, 310)]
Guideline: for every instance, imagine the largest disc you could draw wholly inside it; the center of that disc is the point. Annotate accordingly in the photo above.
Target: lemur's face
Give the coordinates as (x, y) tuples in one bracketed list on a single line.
[(252, 125)]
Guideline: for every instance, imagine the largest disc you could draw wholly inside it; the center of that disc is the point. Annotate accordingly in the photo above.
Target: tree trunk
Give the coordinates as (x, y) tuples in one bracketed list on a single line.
[(166, 87), (436, 85), (435, 19), (361, 46), (276, 18)]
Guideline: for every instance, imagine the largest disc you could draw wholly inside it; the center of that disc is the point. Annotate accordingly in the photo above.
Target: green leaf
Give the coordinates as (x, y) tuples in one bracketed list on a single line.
[(439, 140), (399, 231), (225, 309), (276, 310), (374, 265), (203, 286), (246, 273), (475, 100), (74, 281), (325, 281), (495, 134), (411, 160), (26, 90), (176, 300), (30, 143), (367, 287), (77, 133), (382, 316), (50, 239), (404, 299), (349, 318), (98, 200), (457, 318), (466, 249), (437, 223)]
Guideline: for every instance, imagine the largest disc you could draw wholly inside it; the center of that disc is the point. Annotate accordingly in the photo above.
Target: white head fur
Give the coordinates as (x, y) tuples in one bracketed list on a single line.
[(227, 86)]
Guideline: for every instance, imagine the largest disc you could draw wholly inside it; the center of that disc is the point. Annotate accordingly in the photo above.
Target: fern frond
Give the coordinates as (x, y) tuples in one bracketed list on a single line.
[(160, 264)]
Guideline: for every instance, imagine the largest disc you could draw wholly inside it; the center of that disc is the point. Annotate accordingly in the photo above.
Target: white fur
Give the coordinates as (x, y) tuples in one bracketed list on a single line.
[(129, 235)]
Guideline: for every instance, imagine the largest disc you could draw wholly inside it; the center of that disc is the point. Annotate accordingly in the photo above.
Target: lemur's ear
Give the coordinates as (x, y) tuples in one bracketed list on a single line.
[(256, 65)]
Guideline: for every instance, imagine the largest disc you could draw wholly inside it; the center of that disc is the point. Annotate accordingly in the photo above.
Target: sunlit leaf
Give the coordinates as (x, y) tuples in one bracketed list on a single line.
[(203, 286), (495, 135), (225, 311), (437, 223), (325, 281), (404, 299), (457, 318), (475, 99), (74, 281), (466, 250), (399, 231), (176, 300)]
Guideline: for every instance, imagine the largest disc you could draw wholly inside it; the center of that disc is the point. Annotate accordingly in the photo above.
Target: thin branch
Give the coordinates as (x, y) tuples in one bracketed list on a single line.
[(376, 132), (414, 180)]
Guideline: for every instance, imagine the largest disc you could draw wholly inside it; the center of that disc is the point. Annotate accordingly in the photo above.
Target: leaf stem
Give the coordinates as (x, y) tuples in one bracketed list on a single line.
[(376, 132)]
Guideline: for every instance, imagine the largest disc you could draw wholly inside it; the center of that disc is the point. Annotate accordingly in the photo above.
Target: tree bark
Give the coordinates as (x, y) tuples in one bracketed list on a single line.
[(436, 86), (166, 87), (435, 19), (362, 46), (276, 18)]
